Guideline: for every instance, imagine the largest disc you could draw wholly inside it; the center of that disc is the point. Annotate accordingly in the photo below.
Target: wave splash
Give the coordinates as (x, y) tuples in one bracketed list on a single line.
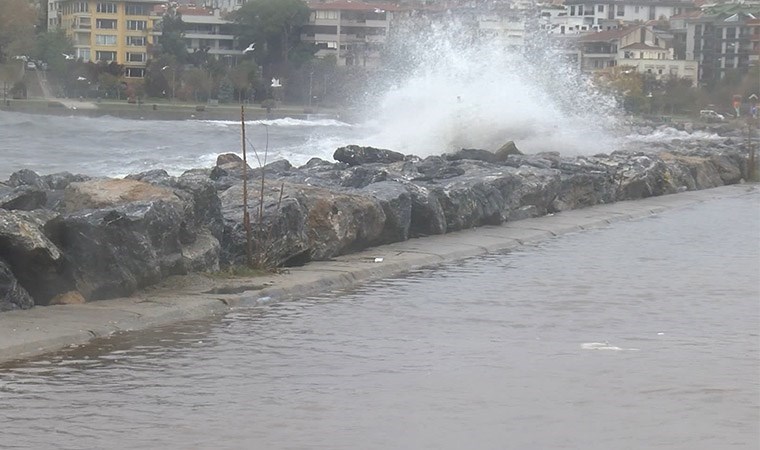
[(469, 93)]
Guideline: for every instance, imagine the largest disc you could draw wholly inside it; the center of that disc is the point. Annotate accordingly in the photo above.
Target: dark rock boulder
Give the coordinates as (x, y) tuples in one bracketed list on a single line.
[(12, 294), (354, 155), (396, 202), (436, 168), (300, 223), (427, 215), (59, 180), (24, 197), (26, 177), (36, 261), (361, 176), (473, 154), (122, 235), (506, 150), (156, 176), (200, 194)]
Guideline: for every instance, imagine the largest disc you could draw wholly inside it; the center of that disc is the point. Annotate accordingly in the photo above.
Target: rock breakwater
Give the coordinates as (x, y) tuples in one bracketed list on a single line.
[(68, 238)]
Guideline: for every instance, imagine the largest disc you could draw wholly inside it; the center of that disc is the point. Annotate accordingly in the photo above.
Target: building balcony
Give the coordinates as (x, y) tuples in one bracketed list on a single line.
[(225, 52), (209, 36), (600, 55)]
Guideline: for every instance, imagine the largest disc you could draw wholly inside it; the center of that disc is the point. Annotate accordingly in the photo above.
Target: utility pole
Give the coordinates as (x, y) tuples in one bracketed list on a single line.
[(752, 160), (246, 216), (311, 84)]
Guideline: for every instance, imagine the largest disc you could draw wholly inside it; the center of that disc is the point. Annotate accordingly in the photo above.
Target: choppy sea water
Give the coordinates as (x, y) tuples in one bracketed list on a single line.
[(108, 146), (642, 335)]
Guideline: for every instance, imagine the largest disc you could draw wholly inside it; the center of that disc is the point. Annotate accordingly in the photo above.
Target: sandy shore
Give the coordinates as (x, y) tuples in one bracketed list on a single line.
[(29, 333)]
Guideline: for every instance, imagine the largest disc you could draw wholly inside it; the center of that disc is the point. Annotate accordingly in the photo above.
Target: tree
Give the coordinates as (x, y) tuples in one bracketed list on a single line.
[(172, 36), (627, 86), (51, 47), (162, 76), (274, 25), (17, 21), (226, 90), (243, 77), (198, 83)]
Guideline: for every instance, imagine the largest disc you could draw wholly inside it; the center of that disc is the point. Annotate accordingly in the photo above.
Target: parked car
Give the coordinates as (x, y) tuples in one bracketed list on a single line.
[(711, 116), (31, 65)]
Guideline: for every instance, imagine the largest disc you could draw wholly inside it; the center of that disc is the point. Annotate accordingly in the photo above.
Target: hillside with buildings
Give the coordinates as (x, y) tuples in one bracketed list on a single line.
[(662, 42)]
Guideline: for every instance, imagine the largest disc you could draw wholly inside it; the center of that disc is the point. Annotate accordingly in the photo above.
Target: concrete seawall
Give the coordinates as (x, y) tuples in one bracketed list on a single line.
[(29, 333)]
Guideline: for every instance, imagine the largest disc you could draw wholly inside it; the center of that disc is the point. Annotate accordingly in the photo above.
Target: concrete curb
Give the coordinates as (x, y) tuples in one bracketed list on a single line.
[(29, 333)]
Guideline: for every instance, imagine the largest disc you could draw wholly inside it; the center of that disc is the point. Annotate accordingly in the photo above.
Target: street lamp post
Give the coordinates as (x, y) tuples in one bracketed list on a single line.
[(173, 86)]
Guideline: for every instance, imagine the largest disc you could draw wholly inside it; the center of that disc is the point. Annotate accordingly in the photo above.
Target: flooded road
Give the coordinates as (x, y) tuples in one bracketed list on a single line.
[(643, 335)]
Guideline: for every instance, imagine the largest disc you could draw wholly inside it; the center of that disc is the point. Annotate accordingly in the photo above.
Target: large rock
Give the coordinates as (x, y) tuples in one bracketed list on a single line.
[(109, 192), (12, 294), (121, 235), (427, 215), (26, 177), (354, 155), (397, 206), (300, 223), (24, 198), (36, 261)]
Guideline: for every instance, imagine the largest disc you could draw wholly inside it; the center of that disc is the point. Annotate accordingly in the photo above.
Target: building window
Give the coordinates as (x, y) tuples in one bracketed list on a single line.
[(105, 24), (83, 53), (636, 9), (572, 10), (136, 24), (137, 10), (600, 8), (105, 39), (107, 8), (138, 41), (326, 14), (580, 10), (136, 57), (621, 10), (105, 56), (134, 72)]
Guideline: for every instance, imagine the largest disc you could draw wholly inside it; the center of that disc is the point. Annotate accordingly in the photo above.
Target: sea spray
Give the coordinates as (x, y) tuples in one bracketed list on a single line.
[(453, 90)]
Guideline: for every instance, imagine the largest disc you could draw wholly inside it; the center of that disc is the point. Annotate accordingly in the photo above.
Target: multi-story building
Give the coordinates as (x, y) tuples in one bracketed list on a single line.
[(115, 30), (508, 27), (205, 29), (354, 32), (605, 15), (639, 48), (723, 39), (222, 5)]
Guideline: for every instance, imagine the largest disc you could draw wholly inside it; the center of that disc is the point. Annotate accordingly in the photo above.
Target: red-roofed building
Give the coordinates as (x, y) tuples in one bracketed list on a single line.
[(639, 48)]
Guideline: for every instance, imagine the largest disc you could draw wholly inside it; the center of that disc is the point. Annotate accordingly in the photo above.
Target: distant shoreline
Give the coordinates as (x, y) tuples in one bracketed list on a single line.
[(165, 111)]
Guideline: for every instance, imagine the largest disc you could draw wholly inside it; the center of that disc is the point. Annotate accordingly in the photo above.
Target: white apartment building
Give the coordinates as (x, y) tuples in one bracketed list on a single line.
[(205, 29), (507, 26), (353, 31), (639, 48), (605, 15)]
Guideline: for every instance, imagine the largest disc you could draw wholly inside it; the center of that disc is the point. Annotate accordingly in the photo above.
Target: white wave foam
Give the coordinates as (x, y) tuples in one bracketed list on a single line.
[(285, 122), (669, 134), (605, 346)]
